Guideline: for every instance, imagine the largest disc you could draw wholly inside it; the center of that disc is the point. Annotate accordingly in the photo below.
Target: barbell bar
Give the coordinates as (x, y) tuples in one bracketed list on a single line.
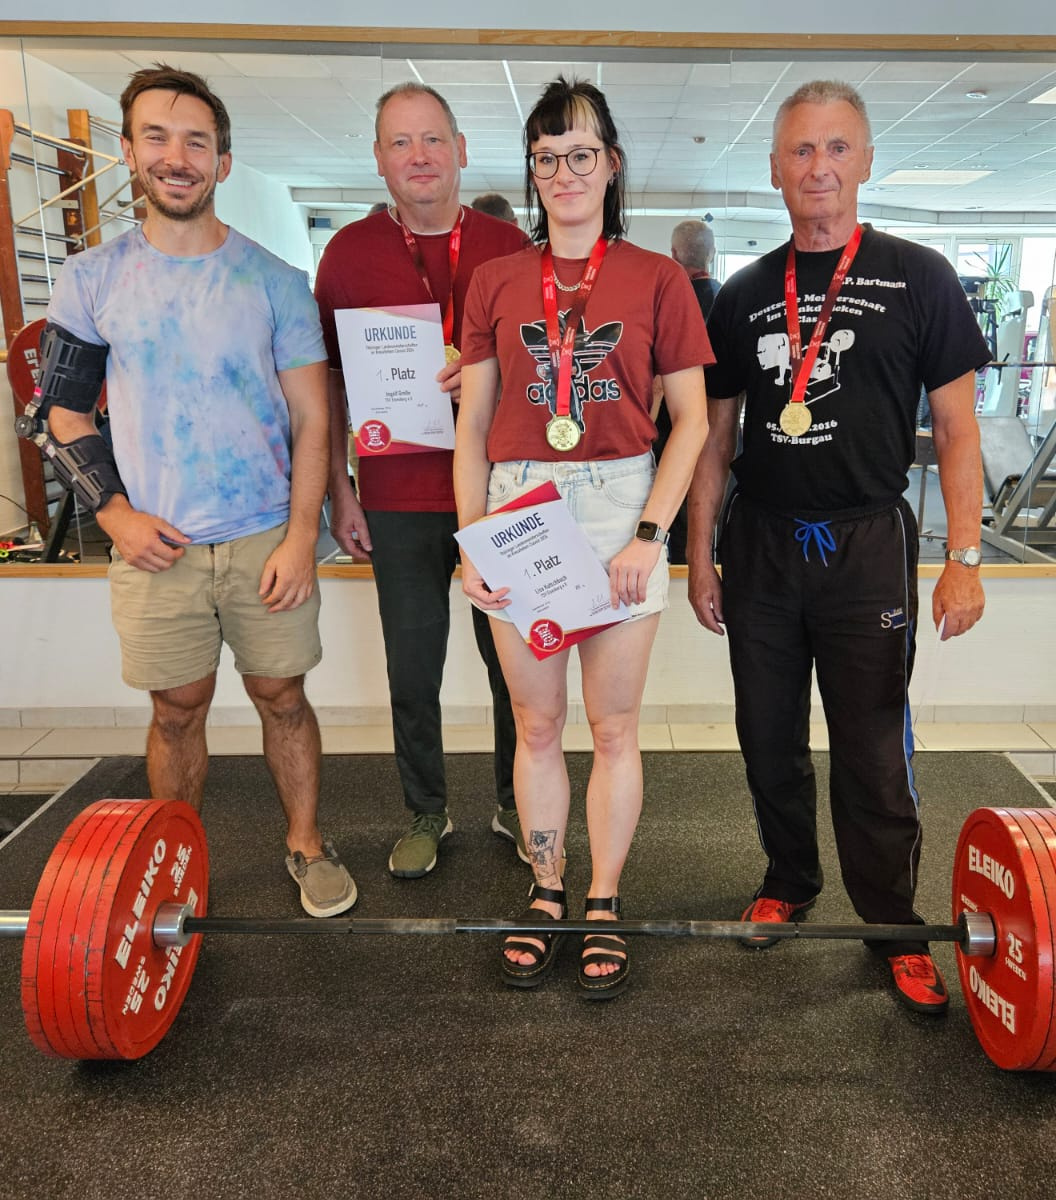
[(113, 933), (176, 924)]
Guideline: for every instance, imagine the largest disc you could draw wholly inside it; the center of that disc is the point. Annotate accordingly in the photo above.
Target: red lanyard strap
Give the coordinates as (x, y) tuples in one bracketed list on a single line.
[(454, 245), (802, 367), (561, 347)]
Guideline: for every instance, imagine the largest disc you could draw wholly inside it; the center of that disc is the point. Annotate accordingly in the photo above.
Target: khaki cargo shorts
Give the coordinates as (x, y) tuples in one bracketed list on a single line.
[(171, 624)]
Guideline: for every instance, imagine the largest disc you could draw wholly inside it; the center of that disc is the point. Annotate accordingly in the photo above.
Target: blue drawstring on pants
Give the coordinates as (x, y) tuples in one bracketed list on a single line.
[(817, 532)]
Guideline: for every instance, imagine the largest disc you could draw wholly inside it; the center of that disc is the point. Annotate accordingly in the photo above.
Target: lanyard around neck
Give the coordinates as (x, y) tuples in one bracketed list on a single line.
[(454, 245), (802, 365), (561, 347)]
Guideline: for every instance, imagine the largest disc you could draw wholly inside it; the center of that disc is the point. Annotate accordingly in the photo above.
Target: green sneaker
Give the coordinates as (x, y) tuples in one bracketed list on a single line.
[(414, 855), (507, 824)]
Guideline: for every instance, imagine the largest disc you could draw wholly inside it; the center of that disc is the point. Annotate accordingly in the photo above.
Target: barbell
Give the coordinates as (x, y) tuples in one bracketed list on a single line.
[(112, 936)]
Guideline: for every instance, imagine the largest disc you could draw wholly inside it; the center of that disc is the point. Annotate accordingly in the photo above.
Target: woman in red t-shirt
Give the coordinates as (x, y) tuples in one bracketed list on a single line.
[(629, 315)]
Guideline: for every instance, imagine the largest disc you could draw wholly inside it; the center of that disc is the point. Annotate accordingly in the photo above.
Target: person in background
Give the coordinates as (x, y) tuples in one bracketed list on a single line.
[(693, 248), (495, 206)]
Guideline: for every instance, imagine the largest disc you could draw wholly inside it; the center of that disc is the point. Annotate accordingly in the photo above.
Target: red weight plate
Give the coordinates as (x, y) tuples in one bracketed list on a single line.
[(1009, 995), (1036, 836), (134, 989), (96, 905), (92, 833), (35, 972), (23, 365), (1045, 822), (23, 362), (71, 961), (37, 958), (59, 936)]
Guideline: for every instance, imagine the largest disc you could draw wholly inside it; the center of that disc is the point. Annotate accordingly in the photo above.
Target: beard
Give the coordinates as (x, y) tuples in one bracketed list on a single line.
[(186, 212)]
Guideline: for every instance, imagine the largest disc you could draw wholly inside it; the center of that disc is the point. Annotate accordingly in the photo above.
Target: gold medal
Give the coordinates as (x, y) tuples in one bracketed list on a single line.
[(451, 354), (794, 419), (563, 434)]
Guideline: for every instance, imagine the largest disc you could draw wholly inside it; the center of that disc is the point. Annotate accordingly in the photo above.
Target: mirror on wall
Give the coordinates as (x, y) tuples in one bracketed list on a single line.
[(965, 163)]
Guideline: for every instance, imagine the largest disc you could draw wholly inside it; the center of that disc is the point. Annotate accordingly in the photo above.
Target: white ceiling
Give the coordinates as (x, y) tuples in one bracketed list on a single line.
[(307, 120)]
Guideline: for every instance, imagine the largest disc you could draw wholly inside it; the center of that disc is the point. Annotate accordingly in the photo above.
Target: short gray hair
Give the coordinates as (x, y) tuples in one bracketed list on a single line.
[(695, 244), (823, 91), (412, 89)]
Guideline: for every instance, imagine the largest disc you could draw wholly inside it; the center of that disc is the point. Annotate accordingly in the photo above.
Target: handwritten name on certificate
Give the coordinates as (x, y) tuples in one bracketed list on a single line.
[(389, 358), (559, 591)]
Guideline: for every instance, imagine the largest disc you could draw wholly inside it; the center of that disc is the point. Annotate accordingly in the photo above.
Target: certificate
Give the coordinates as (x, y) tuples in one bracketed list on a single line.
[(559, 591), (389, 358)]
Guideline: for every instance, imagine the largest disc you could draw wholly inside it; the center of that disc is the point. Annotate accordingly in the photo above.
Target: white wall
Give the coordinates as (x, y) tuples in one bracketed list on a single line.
[(261, 208), (62, 653)]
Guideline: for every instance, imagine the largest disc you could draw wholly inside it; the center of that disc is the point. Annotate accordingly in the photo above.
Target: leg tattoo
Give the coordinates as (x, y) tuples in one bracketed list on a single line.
[(541, 845)]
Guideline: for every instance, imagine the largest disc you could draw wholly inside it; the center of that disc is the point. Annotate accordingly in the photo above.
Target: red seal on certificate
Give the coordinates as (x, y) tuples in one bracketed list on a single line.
[(546, 636), (374, 437)]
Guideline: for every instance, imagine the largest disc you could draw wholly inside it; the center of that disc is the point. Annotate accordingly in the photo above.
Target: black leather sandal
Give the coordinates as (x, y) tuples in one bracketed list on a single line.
[(529, 975), (604, 948)]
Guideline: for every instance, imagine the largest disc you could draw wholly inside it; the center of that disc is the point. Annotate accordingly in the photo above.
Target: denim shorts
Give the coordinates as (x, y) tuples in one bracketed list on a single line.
[(606, 500)]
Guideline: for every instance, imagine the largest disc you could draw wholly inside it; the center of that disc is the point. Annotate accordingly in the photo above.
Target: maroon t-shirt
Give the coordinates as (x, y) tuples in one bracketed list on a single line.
[(642, 320), (367, 265)]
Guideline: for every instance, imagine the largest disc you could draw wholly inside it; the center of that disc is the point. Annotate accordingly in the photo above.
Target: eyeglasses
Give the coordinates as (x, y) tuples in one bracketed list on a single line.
[(581, 161)]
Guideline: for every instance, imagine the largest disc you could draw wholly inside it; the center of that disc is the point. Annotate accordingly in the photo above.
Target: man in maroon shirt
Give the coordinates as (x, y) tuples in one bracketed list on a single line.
[(422, 249)]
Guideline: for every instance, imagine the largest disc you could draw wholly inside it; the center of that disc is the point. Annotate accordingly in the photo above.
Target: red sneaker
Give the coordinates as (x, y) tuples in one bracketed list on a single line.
[(919, 983), (771, 912)]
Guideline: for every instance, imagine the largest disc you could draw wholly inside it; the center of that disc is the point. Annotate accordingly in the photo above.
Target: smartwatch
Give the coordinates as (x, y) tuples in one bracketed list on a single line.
[(970, 556), (649, 531)]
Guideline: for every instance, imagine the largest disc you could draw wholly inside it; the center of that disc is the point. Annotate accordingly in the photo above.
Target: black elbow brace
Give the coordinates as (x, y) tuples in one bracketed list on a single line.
[(71, 371), (71, 375), (86, 466)]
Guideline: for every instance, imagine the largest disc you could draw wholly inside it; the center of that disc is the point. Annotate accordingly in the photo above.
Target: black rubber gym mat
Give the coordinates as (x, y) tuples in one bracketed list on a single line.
[(17, 807), (401, 1067)]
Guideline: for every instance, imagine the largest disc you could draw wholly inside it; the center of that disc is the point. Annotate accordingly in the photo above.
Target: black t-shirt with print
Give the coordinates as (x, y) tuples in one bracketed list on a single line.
[(901, 321)]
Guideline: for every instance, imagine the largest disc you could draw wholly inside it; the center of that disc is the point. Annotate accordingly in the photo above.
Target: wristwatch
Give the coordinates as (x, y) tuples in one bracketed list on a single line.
[(649, 531), (970, 556)]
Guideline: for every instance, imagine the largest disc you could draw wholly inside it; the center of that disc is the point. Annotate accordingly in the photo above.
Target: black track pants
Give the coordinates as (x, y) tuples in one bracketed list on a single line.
[(840, 597)]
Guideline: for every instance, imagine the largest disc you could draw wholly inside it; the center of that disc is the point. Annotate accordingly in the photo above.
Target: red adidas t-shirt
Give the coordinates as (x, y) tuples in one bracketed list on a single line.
[(367, 265), (642, 320)]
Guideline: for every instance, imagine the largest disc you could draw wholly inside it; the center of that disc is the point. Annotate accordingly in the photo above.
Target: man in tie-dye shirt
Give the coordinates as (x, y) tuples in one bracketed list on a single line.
[(216, 388)]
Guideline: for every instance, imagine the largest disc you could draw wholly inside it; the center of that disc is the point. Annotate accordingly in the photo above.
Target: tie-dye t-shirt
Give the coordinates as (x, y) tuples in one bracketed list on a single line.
[(200, 425)]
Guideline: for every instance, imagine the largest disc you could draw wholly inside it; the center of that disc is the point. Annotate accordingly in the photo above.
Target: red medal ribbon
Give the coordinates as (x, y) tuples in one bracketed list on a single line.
[(454, 245), (561, 347), (802, 366)]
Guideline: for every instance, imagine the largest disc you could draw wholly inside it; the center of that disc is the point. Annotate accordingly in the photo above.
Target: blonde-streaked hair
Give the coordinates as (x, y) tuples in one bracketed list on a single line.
[(574, 104)]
